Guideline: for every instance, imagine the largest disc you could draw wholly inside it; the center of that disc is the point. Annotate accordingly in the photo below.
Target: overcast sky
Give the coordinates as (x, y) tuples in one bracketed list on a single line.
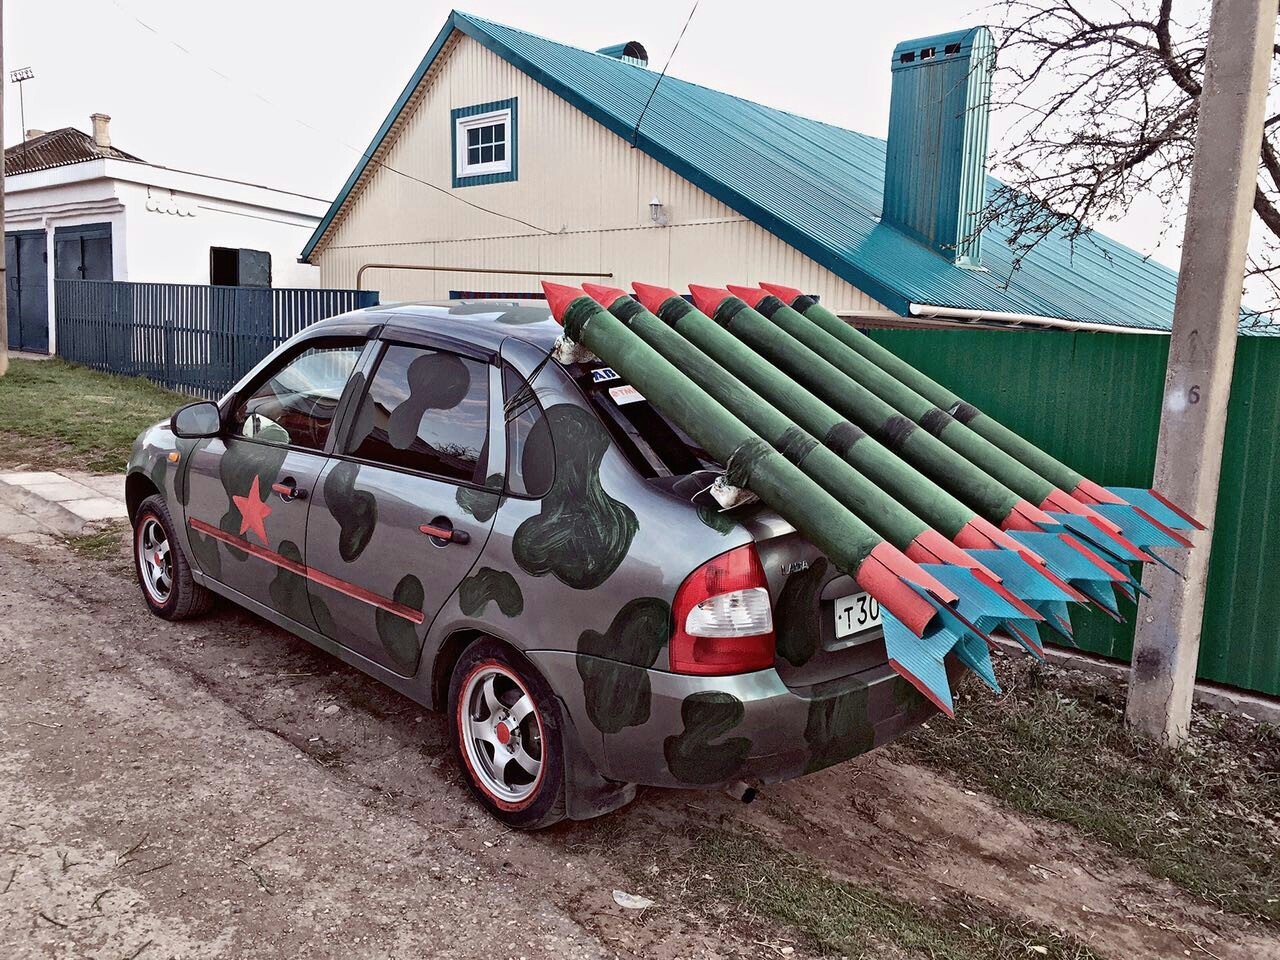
[(309, 81)]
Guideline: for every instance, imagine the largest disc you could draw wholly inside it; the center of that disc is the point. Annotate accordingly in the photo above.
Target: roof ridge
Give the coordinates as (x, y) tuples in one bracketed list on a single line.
[(46, 135), (484, 21)]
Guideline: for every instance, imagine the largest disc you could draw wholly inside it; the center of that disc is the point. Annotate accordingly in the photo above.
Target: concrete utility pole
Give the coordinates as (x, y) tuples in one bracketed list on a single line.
[(1202, 353), (4, 276)]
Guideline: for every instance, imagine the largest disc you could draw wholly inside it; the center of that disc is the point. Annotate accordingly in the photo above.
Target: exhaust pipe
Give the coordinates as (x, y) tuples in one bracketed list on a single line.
[(740, 791)]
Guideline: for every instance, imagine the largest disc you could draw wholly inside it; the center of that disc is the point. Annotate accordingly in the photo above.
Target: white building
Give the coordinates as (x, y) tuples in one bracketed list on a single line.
[(77, 207)]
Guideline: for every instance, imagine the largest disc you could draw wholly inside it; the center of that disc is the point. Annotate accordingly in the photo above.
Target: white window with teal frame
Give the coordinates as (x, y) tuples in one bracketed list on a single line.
[(484, 143)]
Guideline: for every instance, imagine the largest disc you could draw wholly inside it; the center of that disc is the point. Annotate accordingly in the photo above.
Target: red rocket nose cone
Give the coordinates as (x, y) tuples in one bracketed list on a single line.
[(651, 297), (748, 295), (787, 295), (605, 296), (708, 299), (559, 297)]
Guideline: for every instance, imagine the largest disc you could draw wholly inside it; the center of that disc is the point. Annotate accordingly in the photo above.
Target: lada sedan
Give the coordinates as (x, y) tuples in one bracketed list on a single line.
[(503, 532)]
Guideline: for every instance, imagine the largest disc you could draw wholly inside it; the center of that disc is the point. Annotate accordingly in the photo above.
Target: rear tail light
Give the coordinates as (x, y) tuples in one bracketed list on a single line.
[(724, 618)]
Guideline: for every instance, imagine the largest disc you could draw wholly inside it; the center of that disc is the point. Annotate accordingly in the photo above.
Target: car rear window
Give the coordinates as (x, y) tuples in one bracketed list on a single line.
[(655, 446)]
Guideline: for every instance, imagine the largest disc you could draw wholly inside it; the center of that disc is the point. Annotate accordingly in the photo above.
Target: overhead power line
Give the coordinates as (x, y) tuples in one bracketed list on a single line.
[(367, 155), (635, 133)]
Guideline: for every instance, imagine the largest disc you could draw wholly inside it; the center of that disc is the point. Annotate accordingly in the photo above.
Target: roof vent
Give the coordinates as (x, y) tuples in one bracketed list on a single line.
[(630, 52), (935, 178)]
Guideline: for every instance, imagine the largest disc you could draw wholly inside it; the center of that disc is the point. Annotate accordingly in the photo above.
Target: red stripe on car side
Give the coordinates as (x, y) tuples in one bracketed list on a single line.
[(315, 576)]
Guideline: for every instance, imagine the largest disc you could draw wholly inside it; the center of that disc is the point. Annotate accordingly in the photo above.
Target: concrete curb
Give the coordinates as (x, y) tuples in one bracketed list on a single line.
[(63, 504)]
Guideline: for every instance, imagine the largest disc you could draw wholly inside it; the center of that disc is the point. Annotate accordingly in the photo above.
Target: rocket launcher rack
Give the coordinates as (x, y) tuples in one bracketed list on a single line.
[(953, 523)]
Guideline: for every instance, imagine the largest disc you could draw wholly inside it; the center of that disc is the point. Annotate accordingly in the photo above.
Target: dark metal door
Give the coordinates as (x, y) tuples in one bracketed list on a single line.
[(27, 289), (82, 252)]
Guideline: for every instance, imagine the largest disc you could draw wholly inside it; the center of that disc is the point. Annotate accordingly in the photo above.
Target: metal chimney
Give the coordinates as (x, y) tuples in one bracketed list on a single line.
[(935, 179)]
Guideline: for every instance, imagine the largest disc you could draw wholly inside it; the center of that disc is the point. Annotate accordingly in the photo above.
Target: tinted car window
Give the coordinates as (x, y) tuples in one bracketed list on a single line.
[(530, 454), (427, 411), (296, 404), (655, 446)]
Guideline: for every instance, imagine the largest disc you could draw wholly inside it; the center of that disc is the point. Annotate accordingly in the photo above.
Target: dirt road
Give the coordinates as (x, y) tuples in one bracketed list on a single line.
[(219, 789)]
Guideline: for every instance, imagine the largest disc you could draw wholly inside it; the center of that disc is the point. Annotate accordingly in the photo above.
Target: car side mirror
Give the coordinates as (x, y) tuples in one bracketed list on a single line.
[(197, 420)]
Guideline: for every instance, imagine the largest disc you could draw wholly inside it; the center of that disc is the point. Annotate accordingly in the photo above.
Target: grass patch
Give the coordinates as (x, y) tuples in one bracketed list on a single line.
[(100, 546), (1206, 817), (714, 869), (851, 919), (55, 414)]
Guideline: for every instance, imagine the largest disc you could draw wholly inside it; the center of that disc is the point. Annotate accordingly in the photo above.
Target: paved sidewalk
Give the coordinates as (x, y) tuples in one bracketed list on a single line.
[(40, 506)]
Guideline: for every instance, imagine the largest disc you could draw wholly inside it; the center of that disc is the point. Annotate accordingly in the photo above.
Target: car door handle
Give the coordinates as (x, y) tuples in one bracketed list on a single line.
[(442, 529), (289, 490)]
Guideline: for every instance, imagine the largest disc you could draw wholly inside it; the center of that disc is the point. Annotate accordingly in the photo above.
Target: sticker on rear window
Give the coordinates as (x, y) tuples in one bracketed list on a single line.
[(625, 394), (604, 375)]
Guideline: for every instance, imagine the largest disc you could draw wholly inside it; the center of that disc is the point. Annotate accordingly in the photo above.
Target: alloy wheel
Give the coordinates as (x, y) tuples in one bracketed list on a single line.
[(501, 733), (154, 561)]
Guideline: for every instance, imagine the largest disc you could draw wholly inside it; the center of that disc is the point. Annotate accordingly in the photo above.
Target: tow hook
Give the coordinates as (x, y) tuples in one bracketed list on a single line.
[(740, 791)]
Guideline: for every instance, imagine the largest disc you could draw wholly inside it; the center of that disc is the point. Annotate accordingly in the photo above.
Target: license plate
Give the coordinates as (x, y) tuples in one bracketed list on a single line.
[(856, 613)]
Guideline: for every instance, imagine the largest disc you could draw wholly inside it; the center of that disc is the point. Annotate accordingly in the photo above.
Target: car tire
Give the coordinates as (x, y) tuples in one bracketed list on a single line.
[(526, 788), (162, 568)]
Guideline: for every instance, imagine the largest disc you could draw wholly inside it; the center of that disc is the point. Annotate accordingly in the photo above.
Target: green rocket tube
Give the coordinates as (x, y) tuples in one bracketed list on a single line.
[(872, 505), (990, 498), (1053, 470), (979, 451), (876, 565), (901, 480)]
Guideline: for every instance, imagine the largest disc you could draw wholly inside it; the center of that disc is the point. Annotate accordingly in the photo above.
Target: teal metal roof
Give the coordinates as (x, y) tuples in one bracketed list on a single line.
[(818, 188)]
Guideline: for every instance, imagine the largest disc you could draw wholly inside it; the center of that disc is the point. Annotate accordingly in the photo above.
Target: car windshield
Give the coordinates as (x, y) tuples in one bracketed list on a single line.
[(655, 446)]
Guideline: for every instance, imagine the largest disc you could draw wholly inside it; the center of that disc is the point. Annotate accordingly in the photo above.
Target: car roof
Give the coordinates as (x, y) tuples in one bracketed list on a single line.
[(483, 322)]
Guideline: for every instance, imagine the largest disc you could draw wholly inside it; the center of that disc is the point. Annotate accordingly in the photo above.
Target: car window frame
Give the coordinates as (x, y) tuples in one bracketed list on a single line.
[(508, 453), (496, 424), (279, 363)]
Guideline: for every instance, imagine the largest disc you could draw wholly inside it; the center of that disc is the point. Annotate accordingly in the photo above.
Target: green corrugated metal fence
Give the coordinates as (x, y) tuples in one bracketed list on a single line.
[(1093, 401)]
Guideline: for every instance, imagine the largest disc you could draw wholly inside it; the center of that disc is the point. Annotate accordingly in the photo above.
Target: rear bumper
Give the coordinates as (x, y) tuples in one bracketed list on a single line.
[(710, 731)]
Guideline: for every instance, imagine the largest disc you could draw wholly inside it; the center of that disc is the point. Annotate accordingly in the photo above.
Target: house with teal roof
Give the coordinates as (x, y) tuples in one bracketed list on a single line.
[(510, 156)]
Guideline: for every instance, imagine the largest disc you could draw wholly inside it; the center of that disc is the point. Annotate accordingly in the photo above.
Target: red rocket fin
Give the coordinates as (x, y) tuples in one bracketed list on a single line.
[(1177, 509), (1168, 532)]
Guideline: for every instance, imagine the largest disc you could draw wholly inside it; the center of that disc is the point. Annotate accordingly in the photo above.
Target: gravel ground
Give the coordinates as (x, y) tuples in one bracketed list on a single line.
[(189, 790)]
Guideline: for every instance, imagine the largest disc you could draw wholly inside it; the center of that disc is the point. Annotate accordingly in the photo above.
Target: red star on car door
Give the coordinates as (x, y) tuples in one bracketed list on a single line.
[(254, 511)]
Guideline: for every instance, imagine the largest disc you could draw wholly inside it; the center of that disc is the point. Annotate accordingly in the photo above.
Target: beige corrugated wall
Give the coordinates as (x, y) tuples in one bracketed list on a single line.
[(578, 181)]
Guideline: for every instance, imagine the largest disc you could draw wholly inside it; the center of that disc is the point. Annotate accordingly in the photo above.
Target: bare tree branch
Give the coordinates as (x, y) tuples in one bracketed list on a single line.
[(1103, 96)]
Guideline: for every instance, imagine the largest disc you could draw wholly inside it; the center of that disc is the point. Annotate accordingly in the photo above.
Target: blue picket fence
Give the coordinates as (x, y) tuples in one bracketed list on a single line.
[(190, 337)]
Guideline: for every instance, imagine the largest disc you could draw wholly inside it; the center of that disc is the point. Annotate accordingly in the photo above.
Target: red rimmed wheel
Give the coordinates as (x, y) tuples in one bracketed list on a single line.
[(507, 734), (163, 572)]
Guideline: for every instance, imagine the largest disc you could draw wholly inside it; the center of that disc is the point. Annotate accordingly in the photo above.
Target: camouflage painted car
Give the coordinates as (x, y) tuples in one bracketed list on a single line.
[(524, 543)]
